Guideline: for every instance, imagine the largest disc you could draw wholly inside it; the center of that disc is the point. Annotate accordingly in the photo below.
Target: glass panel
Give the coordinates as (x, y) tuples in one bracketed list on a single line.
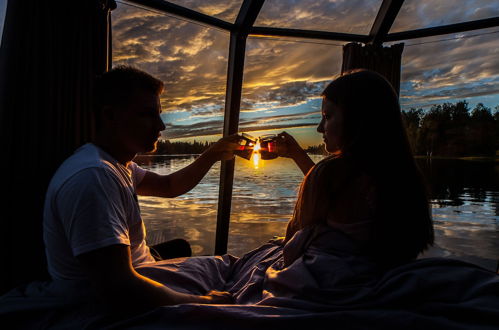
[(418, 14), (3, 10), (450, 68), (281, 92), (348, 16), (226, 10), (447, 77), (192, 62)]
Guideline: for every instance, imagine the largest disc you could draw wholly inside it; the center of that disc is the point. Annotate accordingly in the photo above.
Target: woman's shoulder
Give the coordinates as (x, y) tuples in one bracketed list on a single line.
[(344, 167), (338, 163)]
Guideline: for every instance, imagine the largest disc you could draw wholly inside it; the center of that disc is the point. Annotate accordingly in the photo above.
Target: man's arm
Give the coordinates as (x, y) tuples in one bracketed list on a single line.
[(119, 285), (177, 183), (182, 181)]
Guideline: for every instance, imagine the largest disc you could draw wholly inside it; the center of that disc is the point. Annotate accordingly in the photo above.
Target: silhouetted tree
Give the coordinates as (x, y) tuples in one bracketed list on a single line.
[(482, 130), (453, 130), (412, 120), (166, 147)]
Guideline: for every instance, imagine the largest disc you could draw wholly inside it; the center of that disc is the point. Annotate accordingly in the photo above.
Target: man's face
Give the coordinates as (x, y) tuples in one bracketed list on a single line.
[(138, 123)]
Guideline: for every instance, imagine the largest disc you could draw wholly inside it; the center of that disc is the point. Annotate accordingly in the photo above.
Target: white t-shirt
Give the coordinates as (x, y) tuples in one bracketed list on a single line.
[(90, 204)]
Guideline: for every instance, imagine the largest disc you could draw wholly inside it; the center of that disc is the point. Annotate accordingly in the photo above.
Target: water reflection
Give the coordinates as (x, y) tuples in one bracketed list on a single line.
[(464, 197), (465, 207), (456, 182)]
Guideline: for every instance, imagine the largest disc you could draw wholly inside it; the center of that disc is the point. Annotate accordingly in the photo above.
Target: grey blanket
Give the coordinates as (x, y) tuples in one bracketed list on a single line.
[(315, 281)]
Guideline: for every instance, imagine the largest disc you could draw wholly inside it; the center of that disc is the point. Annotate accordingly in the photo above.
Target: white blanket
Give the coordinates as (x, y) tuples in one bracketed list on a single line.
[(316, 281)]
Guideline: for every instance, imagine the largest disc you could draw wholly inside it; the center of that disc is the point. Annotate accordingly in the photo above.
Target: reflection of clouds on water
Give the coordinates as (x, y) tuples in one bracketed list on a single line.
[(471, 210), (471, 242), (465, 204)]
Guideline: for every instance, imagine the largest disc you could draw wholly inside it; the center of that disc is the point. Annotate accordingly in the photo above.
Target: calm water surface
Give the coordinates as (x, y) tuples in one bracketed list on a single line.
[(464, 197)]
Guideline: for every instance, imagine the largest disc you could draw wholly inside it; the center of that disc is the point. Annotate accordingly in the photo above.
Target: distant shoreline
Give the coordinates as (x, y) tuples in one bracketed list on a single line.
[(477, 158), (177, 155)]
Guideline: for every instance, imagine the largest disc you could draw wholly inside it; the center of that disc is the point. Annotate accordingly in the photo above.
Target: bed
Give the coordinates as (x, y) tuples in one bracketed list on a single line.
[(314, 281)]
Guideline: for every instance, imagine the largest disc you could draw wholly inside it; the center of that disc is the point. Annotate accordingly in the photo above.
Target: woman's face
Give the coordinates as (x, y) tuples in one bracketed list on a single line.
[(331, 125)]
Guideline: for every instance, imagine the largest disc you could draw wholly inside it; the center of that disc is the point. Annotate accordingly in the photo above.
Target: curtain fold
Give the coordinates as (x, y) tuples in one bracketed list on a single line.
[(384, 60), (50, 54)]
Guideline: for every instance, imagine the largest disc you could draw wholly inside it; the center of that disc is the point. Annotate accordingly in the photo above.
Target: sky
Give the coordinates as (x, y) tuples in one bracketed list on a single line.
[(284, 77)]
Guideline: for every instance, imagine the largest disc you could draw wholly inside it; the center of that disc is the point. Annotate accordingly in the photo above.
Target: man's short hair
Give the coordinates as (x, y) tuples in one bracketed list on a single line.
[(114, 87)]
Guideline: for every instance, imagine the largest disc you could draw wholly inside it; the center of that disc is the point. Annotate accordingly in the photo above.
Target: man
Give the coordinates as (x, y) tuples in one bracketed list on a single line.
[(92, 224)]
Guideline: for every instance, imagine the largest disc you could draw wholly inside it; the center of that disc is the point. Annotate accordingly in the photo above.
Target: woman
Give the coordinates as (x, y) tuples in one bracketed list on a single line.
[(369, 187)]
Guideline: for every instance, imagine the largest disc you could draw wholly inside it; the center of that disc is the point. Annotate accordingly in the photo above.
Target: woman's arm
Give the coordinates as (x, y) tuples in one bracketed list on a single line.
[(288, 147)]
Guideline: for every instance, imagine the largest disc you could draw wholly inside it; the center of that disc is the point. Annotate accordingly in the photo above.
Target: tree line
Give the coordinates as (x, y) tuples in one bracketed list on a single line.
[(453, 130), (449, 129), (166, 147)]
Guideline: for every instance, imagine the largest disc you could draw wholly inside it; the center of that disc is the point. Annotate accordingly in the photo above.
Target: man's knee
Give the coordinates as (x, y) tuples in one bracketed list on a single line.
[(175, 248)]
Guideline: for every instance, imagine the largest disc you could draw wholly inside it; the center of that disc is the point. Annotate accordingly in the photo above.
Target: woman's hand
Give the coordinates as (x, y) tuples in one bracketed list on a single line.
[(287, 145), (224, 148)]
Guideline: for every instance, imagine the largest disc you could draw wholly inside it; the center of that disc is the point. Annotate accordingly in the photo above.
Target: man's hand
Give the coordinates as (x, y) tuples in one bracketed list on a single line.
[(123, 289), (224, 148), (219, 297)]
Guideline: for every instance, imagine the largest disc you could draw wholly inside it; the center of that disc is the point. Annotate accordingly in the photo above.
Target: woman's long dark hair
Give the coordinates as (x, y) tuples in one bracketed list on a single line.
[(375, 144)]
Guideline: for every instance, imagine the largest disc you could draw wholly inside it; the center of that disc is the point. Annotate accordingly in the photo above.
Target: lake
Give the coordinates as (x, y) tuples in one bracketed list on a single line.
[(464, 201)]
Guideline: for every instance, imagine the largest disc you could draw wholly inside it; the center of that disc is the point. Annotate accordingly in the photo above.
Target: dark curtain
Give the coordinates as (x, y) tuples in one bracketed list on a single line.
[(384, 60), (50, 54)]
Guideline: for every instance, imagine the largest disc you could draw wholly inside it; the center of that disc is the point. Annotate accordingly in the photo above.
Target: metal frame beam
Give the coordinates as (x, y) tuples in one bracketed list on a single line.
[(444, 29), (247, 16), (237, 49), (171, 8), (307, 34), (384, 20)]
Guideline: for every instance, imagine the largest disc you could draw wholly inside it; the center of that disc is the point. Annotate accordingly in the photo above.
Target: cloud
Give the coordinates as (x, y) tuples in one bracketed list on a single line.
[(209, 127), (458, 67), (425, 98), (280, 72), (445, 67), (351, 16), (192, 61), (291, 93), (222, 9), (428, 13), (215, 126)]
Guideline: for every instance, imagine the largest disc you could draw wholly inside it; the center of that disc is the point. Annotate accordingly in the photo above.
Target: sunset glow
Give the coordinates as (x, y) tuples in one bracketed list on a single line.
[(256, 155), (284, 77)]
